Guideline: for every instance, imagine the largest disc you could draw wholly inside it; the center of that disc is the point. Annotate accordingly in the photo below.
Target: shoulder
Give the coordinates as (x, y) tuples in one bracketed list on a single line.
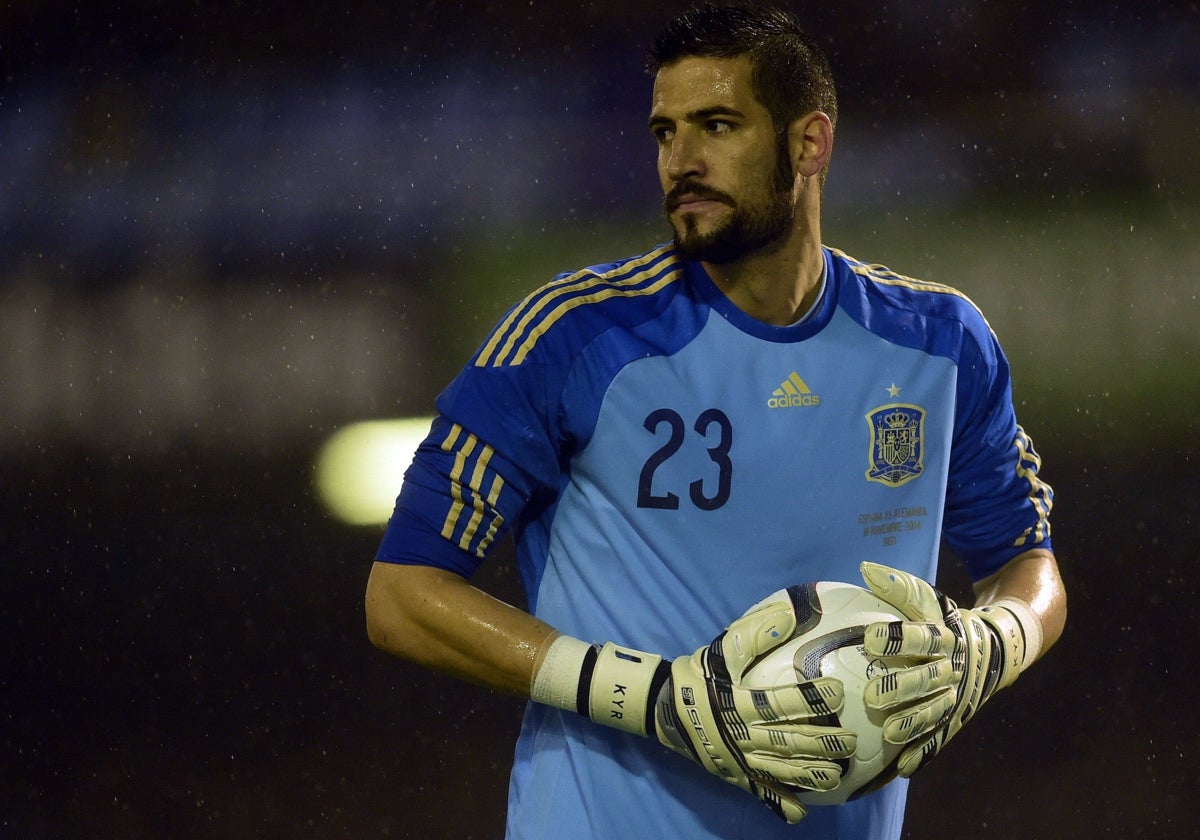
[(575, 306), (917, 313), (889, 288)]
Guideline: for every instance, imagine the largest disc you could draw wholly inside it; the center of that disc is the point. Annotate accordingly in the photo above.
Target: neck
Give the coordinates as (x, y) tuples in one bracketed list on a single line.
[(777, 286)]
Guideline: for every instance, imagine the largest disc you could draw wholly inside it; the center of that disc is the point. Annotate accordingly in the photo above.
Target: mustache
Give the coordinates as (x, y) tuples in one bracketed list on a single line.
[(693, 189)]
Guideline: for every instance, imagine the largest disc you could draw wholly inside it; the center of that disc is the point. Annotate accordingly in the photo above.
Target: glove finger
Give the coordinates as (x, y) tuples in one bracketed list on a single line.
[(764, 627), (910, 684), (801, 742), (909, 638), (782, 801), (920, 719), (918, 755), (913, 597), (812, 701), (806, 774)]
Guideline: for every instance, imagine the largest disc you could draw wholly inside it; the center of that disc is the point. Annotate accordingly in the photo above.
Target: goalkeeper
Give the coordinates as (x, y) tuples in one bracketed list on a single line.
[(671, 437)]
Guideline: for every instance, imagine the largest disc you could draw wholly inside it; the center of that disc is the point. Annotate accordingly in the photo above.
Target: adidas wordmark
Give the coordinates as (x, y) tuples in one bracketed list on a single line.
[(793, 392)]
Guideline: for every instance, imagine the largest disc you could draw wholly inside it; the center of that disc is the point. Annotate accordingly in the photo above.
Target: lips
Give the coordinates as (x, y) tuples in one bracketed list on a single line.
[(693, 197), (693, 203)]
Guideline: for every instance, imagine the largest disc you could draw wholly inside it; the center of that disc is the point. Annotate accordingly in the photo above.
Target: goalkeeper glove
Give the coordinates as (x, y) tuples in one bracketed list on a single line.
[(774, 743), (968, 656)]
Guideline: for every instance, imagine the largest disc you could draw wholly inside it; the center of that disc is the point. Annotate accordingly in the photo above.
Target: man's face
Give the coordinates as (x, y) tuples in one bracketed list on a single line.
[(726, 180)]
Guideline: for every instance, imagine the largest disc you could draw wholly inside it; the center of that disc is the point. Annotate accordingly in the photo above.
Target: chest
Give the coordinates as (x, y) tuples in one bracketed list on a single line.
[(842, 439)]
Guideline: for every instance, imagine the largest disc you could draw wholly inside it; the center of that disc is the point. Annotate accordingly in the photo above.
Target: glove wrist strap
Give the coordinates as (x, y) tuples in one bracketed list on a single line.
[(1019, 630), (613, 685), (624, 688)]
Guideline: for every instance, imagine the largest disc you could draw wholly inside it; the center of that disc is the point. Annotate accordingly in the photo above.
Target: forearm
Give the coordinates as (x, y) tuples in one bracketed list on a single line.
[(1032, 578), (438, 619)]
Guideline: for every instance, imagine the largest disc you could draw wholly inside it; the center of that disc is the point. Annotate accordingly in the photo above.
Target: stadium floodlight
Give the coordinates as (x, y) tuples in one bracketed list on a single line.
[(360, 467)]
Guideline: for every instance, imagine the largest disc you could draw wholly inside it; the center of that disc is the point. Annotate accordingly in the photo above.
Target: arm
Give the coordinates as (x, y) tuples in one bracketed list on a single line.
[(1033, 578), (436, 618), (783, 744)]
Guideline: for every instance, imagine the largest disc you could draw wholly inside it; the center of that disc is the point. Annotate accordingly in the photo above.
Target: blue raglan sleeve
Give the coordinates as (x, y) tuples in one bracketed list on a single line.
[(997, 505), (493, 449)]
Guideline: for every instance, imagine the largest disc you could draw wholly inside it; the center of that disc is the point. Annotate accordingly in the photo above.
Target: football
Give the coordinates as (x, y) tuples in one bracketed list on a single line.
[(828, 642)]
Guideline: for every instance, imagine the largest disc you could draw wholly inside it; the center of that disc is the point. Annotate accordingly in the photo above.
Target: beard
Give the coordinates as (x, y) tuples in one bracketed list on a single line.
[(750, 227)]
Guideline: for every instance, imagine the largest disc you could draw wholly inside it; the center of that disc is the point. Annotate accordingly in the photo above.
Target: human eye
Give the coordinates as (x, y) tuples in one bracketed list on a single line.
[(662, 133), (719, 126)]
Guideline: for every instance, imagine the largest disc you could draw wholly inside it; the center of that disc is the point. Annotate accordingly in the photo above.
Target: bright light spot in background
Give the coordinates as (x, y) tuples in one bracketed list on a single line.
[(359, 469)]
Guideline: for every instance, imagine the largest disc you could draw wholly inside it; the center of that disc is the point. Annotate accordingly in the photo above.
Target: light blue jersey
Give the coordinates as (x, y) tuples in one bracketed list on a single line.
[(667, 461)]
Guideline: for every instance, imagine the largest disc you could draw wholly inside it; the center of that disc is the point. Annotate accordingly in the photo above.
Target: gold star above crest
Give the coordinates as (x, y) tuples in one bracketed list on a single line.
[(894, 390)]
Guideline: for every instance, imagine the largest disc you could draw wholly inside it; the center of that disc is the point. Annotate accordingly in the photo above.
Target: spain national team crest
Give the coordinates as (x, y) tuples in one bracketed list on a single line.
[(897, 443)]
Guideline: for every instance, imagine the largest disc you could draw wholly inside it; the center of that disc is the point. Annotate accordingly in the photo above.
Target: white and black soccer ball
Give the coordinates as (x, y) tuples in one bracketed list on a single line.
[(828, 642)]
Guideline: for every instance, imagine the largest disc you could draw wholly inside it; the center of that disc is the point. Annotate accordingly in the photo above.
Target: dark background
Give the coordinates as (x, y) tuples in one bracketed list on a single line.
[(230, 228)]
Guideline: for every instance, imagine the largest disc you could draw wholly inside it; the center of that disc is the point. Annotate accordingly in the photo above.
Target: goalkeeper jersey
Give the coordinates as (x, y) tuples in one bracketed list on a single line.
[(666, 461)]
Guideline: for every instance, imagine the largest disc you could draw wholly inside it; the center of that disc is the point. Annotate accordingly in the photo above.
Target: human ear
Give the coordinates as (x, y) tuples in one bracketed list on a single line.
[(810, 143)]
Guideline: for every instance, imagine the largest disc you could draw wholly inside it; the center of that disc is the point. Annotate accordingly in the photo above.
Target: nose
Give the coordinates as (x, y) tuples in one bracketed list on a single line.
[(683, 157)]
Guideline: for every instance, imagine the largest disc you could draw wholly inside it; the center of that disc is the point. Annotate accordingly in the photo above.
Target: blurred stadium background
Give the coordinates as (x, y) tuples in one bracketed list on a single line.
[(230, 229)]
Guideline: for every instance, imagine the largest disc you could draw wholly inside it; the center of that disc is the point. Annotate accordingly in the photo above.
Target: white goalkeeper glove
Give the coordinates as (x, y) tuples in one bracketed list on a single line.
[(774, 743), (968, 656)]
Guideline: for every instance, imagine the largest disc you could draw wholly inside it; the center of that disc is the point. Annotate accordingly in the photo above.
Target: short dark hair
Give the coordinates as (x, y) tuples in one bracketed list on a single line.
[(791, 75)]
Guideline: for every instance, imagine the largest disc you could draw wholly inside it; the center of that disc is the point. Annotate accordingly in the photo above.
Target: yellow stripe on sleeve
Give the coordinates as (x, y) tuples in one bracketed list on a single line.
[(566, 306), (471, 456), (546, 306), (456, 490), (1041, 495)]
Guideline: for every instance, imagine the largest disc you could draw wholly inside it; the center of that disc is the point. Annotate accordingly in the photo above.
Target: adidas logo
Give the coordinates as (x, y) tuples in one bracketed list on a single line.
[(793, 392)]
